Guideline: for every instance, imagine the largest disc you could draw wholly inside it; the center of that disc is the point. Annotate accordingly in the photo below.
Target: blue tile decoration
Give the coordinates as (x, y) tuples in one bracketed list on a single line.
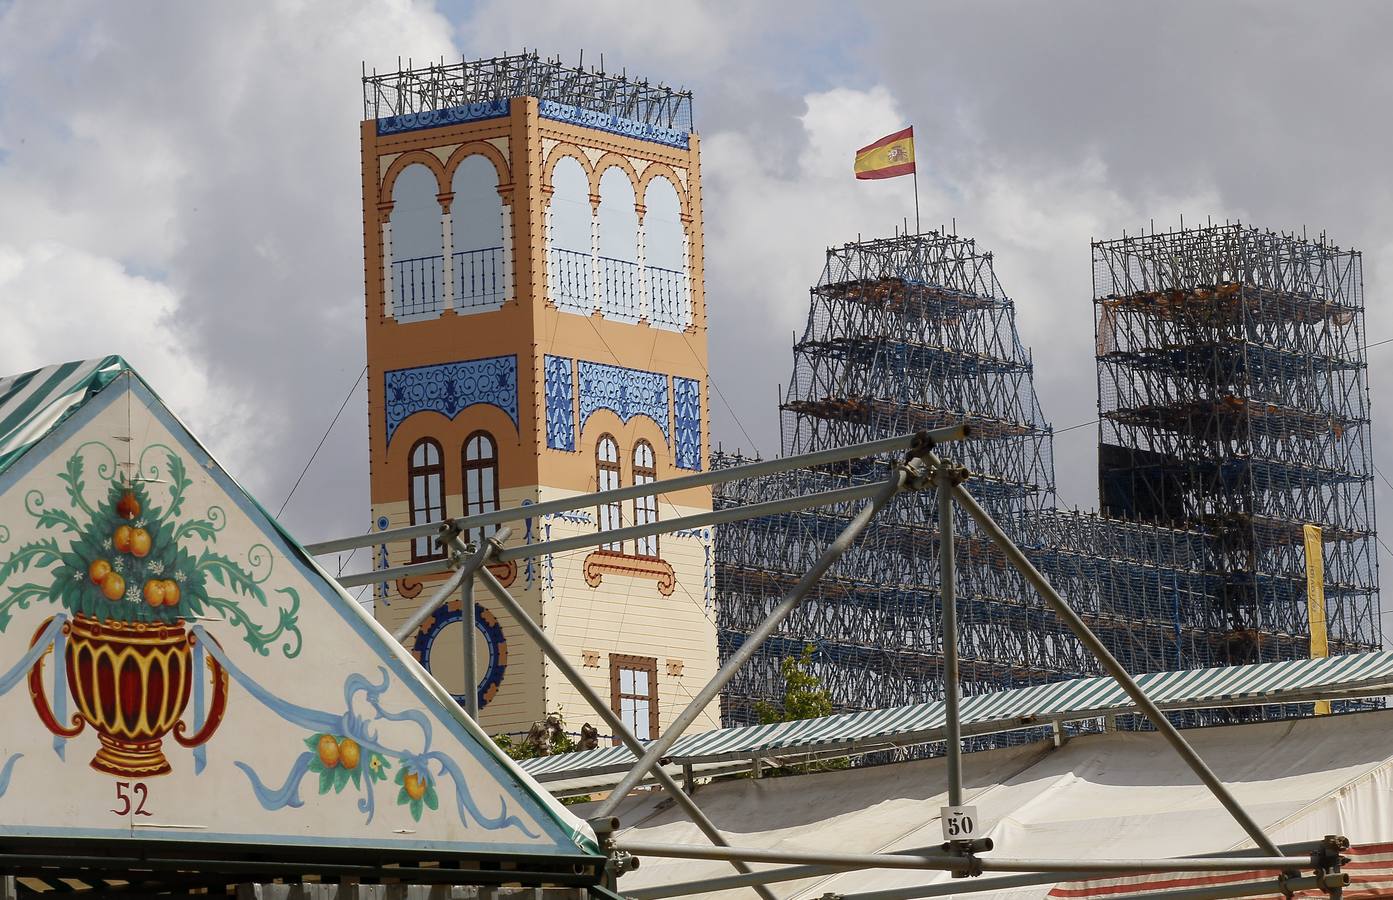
[(434, 118), (602, 121), (625, 392), (451, 388), (560, 389), (686, 404)]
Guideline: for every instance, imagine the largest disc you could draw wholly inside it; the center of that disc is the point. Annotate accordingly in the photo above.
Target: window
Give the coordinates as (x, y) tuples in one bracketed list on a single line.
[(480, 481), (607, 479), (633, 692), (645, 508), (426, 476)]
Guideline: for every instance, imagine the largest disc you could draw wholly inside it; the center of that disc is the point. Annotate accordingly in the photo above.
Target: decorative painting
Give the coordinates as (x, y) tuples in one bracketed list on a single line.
[(625, 392), (451, 388), (686, 414), (175, 669), (561, 403), (486, 625)]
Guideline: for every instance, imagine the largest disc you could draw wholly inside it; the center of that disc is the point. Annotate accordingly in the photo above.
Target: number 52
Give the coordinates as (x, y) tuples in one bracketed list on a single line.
[(124, 793)]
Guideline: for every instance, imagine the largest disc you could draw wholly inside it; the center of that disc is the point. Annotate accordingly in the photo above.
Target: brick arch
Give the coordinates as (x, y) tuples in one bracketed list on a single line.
[(555, 156), (412, 157), (478, 148), (663, 170), (613, 160)]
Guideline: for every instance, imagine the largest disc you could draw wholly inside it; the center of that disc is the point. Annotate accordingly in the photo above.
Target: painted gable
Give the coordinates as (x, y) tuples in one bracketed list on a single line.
[(174, 667)]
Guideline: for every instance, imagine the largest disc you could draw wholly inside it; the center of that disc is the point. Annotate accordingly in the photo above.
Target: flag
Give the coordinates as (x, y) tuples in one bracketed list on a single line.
[(890, 156)]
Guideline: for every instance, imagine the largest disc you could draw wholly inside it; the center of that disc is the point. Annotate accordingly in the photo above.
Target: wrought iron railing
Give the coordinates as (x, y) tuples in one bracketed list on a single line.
[(418, 286), (569, 280), (619, 289), (479, 279), (667, 299)]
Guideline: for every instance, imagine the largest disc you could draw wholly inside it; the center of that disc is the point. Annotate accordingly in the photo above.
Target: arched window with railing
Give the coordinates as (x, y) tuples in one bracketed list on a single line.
[(609, 515), (480, 464), (426, 483), (476, 217), (665, 257), (418, 255), (570, 249), (620, 284), (645, 508)]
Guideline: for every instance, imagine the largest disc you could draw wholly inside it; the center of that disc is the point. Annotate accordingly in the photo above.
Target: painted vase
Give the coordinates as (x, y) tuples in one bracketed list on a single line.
[(131, 682)]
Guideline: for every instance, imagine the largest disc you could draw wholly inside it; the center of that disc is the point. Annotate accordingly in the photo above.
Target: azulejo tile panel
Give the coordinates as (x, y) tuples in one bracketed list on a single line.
[(602, 121), (626, 392), (561, 406), (451, 388), (453, 115), (686, 394)]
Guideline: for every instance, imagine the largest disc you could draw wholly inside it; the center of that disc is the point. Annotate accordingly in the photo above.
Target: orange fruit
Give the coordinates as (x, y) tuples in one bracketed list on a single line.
[(328, 751), (171, 592), (140, 542), (113, 586), (349, 753), (122, 538), (98, 570), (154, 592), (415, 785), (128, 507)]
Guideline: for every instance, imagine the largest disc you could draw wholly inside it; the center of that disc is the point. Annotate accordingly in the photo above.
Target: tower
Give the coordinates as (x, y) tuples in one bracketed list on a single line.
[(536, 329)]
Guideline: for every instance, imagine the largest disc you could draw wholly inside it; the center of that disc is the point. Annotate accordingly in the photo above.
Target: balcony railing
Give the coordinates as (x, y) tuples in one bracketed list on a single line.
[(479, 279), (667, 299), (418, 286), (569, 281), (619, 289)]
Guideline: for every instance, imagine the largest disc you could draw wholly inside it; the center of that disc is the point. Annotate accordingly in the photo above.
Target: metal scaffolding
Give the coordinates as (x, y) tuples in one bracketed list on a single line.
[(1234, 412)]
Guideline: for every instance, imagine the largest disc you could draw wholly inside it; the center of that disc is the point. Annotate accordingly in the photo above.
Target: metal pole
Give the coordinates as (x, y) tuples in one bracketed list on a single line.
[(1114, 668), (947, 575), (915, 442), (656, 749), (1267, 888), (609, 716), (471, 668), (950, 862), (629, 532), (467, 568)]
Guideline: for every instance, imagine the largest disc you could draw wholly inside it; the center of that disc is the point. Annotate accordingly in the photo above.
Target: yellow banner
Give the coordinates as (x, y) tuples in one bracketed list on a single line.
[(1315, 600)]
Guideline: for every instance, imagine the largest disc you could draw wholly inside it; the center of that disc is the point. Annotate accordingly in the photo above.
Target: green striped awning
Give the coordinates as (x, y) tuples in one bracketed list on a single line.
[(733, 749), (34, 403)]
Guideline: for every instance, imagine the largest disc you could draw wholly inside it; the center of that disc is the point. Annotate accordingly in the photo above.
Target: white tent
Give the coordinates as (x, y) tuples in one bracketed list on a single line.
[(1102, 796)]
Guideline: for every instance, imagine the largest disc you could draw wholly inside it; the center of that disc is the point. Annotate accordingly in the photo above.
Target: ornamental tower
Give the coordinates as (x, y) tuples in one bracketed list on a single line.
[(536, 329)]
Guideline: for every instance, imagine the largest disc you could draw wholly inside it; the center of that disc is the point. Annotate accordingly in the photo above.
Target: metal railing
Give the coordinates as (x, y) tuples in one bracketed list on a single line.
[(569, 280), (480, 281), (668, 303), (418, 286), (619, 289)]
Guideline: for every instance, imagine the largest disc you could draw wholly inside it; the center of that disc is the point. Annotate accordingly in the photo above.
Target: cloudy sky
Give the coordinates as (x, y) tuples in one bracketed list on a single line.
[(179, 181)]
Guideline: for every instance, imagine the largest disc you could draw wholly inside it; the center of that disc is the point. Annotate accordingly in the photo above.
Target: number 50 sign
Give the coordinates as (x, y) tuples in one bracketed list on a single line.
[(960, 823)]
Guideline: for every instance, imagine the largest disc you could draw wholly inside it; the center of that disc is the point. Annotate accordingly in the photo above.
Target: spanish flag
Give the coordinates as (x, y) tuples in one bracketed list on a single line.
[(890, 156)]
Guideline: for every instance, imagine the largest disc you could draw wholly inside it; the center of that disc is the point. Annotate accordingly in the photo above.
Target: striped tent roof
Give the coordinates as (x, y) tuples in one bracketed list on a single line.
[(732, 749), (32, 404)]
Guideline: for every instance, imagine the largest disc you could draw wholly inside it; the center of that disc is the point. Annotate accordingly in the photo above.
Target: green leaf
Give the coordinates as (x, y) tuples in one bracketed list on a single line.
[(341, 777), (326, 780), (358, 778), (416, 807), (179, 483), (312, 742), (432, 798), (403, 797)]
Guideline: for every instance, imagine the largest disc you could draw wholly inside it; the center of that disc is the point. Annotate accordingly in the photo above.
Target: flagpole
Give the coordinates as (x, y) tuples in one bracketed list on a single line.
[(917, 229)]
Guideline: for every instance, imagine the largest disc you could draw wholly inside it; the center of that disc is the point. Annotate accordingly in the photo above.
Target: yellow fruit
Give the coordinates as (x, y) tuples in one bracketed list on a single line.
[(122, 538), (415, 786), (154, 592), (113, 586), (328, 751), (349, 753), (98, 571), (171, 592), (140, 542), (128, 507)]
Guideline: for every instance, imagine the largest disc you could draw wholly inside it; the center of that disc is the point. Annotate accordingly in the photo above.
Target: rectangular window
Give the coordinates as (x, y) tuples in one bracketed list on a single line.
[(633, 691)]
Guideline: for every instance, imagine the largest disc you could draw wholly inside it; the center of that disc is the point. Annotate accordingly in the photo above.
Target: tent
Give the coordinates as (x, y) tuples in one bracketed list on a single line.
[(189, 700)]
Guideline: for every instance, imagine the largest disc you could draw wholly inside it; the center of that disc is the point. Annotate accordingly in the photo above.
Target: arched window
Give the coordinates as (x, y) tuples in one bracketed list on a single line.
[(426, 477), (665, 252), (607, 479), (570, 250), (645, 508), (418, 248), (480, 481), (618, 231), (477, 217)]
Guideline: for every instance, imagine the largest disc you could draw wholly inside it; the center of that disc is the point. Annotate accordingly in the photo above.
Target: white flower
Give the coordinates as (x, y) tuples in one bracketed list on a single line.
[(133, 594), (155, 567), (119, 564), (180, 577), (77, 576), (106, 544), (139, 523)]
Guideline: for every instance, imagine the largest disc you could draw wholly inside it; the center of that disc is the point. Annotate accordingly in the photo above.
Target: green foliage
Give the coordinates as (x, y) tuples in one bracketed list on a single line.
[(804, 698), (546, 738)]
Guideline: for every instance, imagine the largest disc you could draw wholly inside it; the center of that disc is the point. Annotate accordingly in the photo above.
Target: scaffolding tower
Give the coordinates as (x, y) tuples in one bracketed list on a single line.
[(1234, 413), (1233, 400)]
